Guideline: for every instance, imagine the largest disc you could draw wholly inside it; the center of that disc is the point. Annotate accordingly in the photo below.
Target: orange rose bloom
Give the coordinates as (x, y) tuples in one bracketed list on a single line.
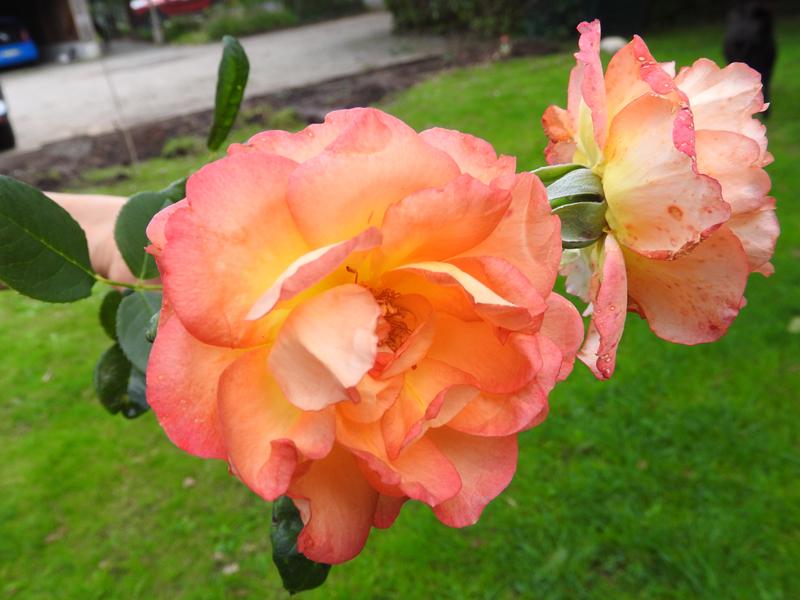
[(358, 314), (681, 163)]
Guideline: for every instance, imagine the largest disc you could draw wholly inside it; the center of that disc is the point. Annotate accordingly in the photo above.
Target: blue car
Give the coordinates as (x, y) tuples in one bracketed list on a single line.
[(16, 45)]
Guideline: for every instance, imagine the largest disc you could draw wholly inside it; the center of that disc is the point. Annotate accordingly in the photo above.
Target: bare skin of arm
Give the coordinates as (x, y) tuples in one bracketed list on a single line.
[(96, 214)]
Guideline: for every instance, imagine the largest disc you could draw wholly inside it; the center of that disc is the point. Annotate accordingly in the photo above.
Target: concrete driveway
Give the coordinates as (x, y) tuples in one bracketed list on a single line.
[(54, 102)]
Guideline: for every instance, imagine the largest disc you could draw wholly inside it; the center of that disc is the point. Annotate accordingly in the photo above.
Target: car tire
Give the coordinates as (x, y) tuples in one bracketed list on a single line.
[(7, 141)]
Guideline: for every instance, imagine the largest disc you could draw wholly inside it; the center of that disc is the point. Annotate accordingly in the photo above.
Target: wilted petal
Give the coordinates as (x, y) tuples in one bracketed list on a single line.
[(726, 99), (734, 161), (758, 232), (609, 295), (658, 205), (692, 299)]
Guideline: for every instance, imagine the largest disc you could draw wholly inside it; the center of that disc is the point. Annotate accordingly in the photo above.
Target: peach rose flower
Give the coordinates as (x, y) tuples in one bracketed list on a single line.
[(358, 314), (681, 160)]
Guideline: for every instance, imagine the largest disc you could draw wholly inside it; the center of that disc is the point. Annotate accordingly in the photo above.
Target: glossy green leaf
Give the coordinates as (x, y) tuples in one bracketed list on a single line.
[(108, 313), (111, 377), (578, 185), (297, 572), (136, 403), (234, 68), (129, 232), (43, 251), (175, 191), (133, 319), (550, 173), (582, 223)]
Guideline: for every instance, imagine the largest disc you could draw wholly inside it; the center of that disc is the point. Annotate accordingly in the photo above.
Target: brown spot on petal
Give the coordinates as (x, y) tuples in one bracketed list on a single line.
[(675, 212)]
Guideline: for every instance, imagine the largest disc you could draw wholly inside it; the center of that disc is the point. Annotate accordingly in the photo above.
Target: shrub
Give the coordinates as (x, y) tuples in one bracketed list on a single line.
[(247, 21), (310, 10), (187, 145), (487, 17)]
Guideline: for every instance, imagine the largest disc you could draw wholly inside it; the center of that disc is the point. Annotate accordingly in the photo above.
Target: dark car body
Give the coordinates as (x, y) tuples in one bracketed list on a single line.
[(6, 133), (16, 45)]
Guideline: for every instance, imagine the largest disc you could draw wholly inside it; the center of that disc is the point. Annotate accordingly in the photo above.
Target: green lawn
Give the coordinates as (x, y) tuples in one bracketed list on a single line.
[(680, 478)]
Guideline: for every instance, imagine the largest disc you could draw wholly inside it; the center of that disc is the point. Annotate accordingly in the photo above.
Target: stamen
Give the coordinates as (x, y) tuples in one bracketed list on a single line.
[(393, 328)]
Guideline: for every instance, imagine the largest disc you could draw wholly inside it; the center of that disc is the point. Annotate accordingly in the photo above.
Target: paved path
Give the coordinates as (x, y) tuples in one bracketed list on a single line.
[(53, 102)]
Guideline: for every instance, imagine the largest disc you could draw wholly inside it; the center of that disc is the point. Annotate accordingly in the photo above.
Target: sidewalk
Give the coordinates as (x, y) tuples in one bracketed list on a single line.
[(54, 102)]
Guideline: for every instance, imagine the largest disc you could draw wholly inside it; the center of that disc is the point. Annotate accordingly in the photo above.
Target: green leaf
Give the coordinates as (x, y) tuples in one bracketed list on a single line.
[(550, 173), (136, 404), (582, 223), (576, 186), (297, 572), (133, 318), (111, 377), (234, 69), (108, 313), (129, 232), (43, 251), (175, 191), (152, 328)]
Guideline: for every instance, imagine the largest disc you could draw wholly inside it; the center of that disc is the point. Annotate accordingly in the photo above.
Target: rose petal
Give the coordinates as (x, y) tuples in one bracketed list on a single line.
[(485, 465), (303, 145), (327, 344), (694, 298), (182, 381), (589, 76), (376, 161), (310, 269), (726, 99), (264, 434), (473, 347), (493, 415), (559, 129), (437, 224), (426, 389), (155, 229), (337, 506), (528, 236), (387, 510), (633, 72), (563, 326), (758, 232), (474, 156), (657, 204), (609, 295), (218, 256), (372, 399), (734, 161), (420, 471), (483, 300)]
